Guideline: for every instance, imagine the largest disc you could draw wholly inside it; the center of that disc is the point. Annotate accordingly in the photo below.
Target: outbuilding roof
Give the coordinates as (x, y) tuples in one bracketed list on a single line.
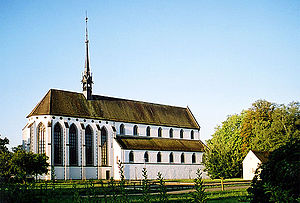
[(160, 144), (262, 156), (73, 104)]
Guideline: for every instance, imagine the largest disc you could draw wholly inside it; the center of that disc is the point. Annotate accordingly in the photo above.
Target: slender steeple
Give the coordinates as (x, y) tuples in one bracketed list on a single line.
[(87, 80)]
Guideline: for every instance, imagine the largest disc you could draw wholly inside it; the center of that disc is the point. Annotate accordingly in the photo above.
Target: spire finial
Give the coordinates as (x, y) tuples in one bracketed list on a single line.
[(87, 77), (86, 28)]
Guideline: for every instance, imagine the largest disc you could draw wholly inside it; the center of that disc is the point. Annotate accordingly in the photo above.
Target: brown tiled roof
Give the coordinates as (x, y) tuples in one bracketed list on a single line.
[(262, 156), (160, 144), (72, 104)]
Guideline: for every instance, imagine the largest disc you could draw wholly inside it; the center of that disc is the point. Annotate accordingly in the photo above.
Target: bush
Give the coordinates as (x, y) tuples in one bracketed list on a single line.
[(279, 178)]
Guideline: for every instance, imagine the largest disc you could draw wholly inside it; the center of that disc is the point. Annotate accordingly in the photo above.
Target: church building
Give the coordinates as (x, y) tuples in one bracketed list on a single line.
[(85, 136)]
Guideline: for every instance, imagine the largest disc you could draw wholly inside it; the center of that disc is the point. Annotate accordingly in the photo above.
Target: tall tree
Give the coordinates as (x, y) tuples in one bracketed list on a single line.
[(3, 143), (25, 164), (5, 157), (264, 127), (223, 157)]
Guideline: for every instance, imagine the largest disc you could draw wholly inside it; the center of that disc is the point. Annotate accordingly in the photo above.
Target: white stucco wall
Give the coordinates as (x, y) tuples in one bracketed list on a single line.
[(250, 164), (154, 130), (115, 153), (175, 170)]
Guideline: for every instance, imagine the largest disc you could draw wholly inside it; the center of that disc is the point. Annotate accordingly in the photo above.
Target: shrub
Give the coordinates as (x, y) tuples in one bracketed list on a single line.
[(279, 178)]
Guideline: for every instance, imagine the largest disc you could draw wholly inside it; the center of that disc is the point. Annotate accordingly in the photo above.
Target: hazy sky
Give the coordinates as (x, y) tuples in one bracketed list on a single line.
[(217, 57)]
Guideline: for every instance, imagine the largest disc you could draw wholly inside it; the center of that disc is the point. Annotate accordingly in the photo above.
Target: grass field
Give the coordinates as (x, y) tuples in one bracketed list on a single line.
[(105, 191)]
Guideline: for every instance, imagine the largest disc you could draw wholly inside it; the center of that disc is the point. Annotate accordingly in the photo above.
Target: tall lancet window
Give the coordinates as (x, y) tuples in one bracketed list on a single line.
[(58, 144), (31, 139), (104, 161), (73, 146), (89, 146), (41, 138)]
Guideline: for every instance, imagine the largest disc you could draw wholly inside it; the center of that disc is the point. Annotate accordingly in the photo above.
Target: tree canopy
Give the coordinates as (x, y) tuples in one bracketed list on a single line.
[(20, 163), (265, 126)]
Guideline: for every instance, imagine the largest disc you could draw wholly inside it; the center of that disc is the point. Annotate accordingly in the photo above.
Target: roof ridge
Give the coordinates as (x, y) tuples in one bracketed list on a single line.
[(131, 100)]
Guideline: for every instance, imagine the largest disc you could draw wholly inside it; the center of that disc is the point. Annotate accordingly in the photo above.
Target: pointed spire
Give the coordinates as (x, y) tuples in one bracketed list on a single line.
[(87, 80), (87, 62)]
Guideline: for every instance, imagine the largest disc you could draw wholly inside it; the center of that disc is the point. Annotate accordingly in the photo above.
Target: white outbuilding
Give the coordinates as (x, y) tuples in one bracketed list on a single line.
[(251, 163)]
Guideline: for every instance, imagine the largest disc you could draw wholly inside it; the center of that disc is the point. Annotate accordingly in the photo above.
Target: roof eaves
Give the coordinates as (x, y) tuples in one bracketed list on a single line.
[(37, 106), (192, 115)]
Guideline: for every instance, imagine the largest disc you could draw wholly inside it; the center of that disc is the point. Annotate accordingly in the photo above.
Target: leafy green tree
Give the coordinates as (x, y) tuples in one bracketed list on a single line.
[(279, 178), (24, 164), (3, 143), (267, 126), (264, 127), (199, 195), (5, 157), (223, 156)]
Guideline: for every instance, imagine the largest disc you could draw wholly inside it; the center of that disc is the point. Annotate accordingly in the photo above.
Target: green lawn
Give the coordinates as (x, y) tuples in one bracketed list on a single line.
[(98, 191)]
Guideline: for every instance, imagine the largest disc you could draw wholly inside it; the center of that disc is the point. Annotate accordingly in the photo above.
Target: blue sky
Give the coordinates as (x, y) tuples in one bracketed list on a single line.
[(217, 57)]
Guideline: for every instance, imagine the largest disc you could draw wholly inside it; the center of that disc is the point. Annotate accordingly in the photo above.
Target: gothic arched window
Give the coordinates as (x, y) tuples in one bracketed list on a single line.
[(41, 138), (73, 146), (135, 130), (171, 157), (158, 157), (31, 138), (89, 159), (171, 133), (182, 158), (122, 129), (192, 134), (181, 133), (131, 156), (194, 158), (146, 157), (159, 132), (104, 160), (148, 131), (58, 144)]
